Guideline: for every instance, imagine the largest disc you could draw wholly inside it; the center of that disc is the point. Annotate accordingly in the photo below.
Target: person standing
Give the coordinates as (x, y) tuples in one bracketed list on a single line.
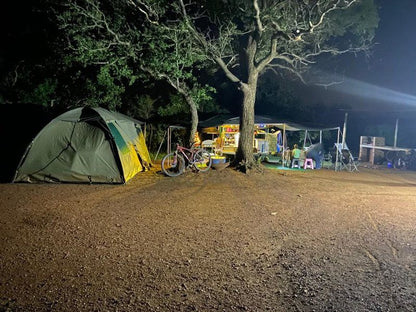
[(316, 152)]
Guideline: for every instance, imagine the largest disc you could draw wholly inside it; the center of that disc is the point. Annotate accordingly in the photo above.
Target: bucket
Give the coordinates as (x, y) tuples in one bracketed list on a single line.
[(218, 159), (389, 165), (220, 166)]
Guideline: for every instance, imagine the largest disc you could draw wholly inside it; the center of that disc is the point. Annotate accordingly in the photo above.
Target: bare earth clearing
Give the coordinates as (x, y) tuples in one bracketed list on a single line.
[(221, 241)]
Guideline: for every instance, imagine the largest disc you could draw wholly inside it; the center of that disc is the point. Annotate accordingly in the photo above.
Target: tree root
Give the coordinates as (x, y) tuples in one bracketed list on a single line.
[(245, 166)]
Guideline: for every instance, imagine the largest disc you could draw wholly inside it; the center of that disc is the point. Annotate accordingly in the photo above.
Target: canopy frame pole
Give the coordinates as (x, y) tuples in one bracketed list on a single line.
[(396, 130), (336, 150), (309, 138), (284, 145), (160, 146), (344, 131), (169, 140), (304, 139), (320, 136)]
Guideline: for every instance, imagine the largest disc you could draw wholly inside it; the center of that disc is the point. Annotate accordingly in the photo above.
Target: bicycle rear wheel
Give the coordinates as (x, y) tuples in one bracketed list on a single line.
[(173, 165), (202, 160)]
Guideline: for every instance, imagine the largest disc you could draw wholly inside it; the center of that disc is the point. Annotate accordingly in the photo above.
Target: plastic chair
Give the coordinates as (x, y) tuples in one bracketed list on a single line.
[(209, 146), (308, 164), (295, 163)]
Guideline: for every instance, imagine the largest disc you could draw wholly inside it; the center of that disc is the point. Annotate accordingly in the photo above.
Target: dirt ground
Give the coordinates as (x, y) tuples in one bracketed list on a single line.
[(221, 241)]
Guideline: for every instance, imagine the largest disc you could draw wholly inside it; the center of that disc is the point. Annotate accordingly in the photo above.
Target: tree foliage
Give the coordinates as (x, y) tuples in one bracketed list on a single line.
[(43, 93), (117, 44), (105, 51), (277, 98), (245, 38)]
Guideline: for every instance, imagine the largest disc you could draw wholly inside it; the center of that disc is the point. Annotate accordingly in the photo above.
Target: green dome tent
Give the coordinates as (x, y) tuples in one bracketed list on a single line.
[(86, 145)]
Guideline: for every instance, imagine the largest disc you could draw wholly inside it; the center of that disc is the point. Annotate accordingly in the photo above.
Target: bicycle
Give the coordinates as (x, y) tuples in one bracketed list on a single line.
[(398, 159), (174, 164)]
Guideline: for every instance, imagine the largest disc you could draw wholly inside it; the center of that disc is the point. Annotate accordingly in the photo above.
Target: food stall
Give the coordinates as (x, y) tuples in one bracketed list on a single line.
[(228, 138), (269, 137)]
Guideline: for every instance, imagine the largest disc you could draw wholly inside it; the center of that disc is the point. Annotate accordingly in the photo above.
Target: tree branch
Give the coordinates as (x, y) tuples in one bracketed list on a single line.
[(290, 69), (147, 11), (335, 6), (326, 85), (226, 70), (336, 51), (258, 20), (95, 19), (272, 54), (158, 75), (206, 46)]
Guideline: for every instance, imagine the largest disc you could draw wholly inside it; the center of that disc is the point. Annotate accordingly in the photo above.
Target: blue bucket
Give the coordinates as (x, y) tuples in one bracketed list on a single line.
[(218, 160)]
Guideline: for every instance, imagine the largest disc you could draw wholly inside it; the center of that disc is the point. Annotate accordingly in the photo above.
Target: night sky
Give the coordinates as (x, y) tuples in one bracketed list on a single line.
[(378, 89), (391, 65), (365, 91)]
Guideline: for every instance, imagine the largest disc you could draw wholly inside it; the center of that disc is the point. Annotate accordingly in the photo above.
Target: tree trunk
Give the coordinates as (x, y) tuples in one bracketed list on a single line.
[(150, 136), (182, 89), (244, 157), (145, 132), (194, 118)]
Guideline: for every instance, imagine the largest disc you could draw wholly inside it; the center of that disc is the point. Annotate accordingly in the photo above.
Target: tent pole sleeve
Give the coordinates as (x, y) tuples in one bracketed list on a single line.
[(21, 161)]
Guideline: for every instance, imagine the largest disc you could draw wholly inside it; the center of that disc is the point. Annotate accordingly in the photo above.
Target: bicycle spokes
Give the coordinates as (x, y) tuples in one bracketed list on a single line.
[(202, 160), (173, 164)]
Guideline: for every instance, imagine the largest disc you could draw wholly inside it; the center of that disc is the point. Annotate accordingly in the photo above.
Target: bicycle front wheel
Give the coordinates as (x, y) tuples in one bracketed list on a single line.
[(173, 165), (202, 160)]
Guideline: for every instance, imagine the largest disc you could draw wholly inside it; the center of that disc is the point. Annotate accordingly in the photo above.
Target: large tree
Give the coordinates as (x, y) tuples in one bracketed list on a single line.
[(122, 41), (247, 37)]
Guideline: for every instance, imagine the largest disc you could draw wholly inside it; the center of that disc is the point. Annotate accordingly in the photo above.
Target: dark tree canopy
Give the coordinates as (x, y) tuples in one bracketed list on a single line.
[(247, 38), (105, 52)]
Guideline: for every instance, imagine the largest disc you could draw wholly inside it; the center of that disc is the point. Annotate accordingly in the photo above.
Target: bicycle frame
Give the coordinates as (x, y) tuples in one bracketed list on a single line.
[(185, 152), (174, 164)]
